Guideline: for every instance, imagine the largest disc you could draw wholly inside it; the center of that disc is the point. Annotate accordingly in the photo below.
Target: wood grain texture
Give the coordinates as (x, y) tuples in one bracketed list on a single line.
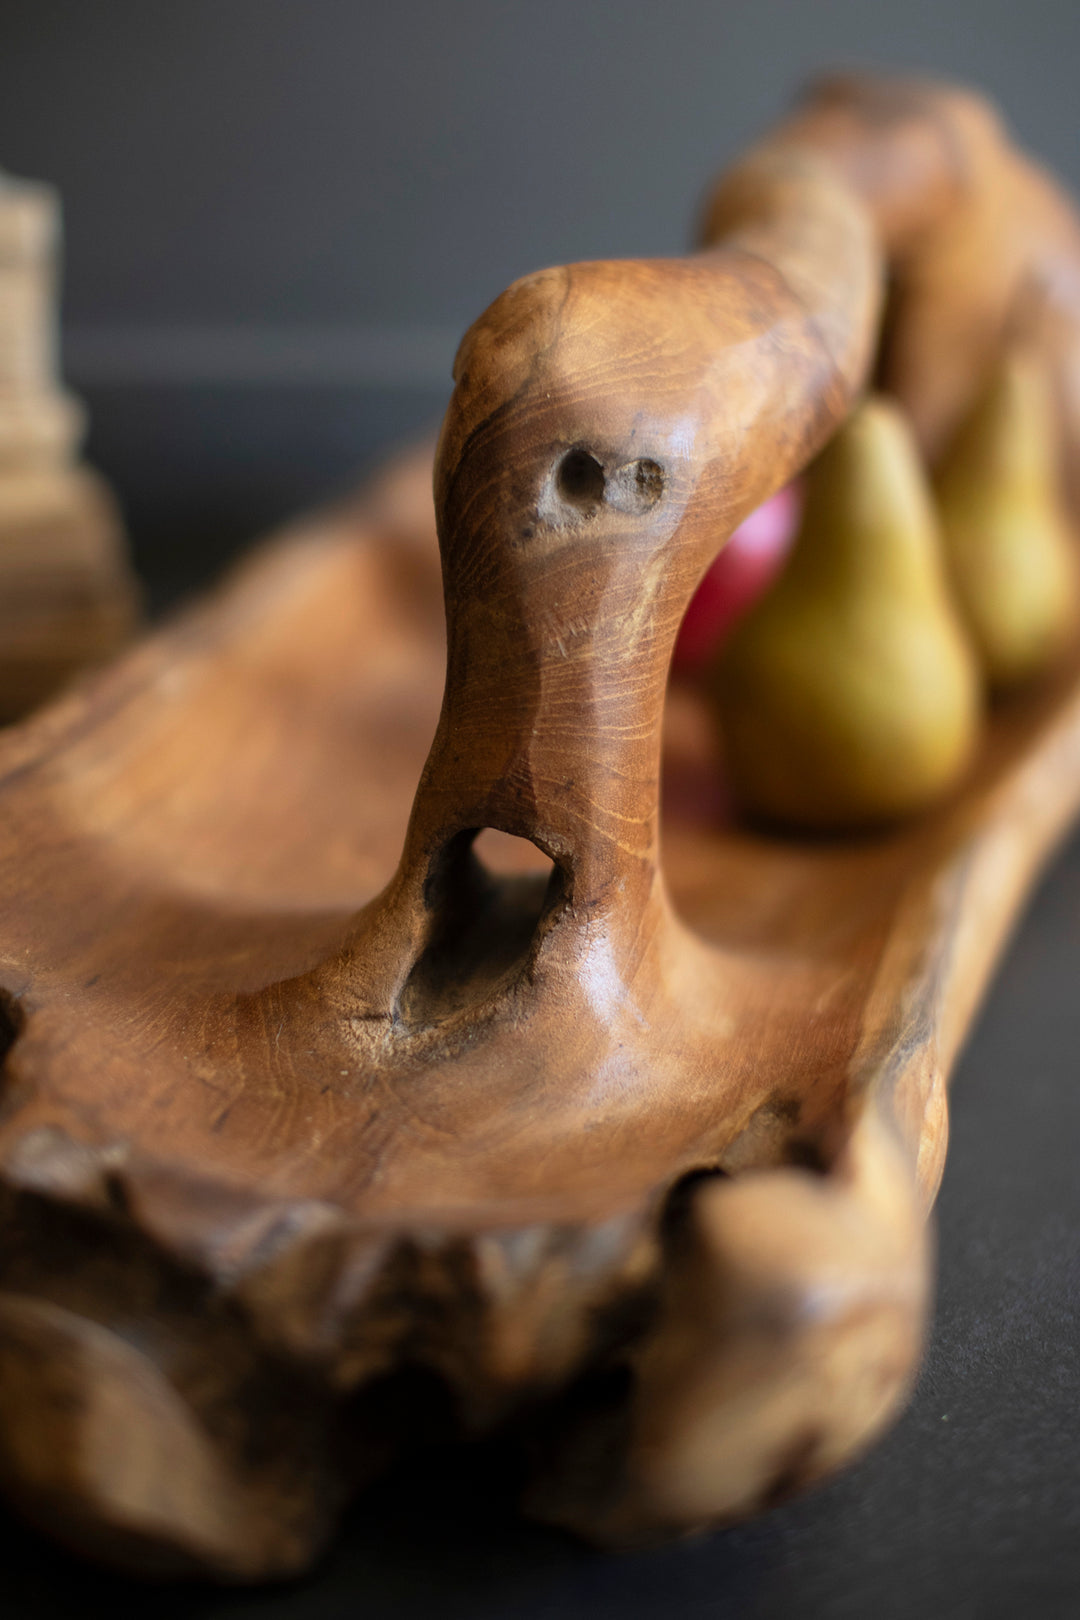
[(632, 1157)]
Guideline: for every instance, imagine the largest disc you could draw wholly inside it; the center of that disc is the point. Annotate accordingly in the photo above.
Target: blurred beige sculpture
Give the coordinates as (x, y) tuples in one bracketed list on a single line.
[(66, 596)]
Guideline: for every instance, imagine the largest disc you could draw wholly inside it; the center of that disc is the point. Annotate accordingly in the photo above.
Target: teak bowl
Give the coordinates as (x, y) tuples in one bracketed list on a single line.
[(633, 1153)]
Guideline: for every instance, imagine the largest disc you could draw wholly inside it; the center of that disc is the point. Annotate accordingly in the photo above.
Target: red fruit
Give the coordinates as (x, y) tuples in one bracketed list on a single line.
[(743, 571)]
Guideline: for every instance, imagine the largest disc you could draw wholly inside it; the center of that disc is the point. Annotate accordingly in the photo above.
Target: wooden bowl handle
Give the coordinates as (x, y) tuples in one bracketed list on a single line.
[(611, 425)]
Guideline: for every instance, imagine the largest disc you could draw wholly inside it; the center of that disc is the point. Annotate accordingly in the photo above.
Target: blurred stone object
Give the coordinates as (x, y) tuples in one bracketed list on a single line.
[(67, 597)]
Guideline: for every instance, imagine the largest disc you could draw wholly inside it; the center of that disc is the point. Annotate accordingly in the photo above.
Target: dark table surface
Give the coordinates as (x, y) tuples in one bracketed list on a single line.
[(968, 1510)]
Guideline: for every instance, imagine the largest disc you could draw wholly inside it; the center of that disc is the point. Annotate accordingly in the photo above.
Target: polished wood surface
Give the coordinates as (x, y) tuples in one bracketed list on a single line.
[(306, 1102)]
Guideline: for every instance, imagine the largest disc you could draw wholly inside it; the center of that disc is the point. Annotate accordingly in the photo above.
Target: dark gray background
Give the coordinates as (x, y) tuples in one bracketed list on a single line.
[(280, 215)]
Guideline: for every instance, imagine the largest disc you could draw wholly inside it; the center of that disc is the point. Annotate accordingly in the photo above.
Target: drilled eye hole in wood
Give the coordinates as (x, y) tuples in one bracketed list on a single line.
[(504, 855), (649, 479), (488, 894), (637, 486), (580, 480)]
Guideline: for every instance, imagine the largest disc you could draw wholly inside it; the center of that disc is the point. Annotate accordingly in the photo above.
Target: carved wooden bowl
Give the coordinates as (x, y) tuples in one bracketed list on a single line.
[(631, 1154)]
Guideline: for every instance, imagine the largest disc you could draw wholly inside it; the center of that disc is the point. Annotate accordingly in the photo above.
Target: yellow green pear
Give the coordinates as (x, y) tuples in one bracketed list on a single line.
[(849, 695), (1010, 552)]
